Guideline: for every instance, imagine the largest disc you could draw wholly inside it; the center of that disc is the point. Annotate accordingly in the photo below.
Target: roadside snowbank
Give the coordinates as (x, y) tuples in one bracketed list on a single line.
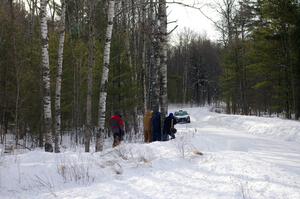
[(238, 163), (277, 128)]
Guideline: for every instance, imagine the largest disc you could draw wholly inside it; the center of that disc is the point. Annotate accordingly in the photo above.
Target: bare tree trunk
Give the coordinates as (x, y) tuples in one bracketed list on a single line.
[(91, 63), (134, 65), (41, 129), (52, 11), (104, 80), (17, 106), (163, 58), (144, 69), (131, 57), (46, 78), (79, 108), (244, 74), (184, 83), (17, 71), (3, 99), (155, 57), (59, 76), (150, 56)]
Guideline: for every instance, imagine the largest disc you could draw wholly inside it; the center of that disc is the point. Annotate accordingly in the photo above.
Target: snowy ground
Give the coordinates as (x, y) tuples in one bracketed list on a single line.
[(244, 158)]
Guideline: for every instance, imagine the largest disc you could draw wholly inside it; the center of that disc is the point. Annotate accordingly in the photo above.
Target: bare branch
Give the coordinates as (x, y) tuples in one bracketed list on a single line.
[(172, 30)]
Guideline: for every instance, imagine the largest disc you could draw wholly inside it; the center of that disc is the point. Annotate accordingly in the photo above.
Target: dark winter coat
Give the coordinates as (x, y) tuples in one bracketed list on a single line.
[(168, 125), (156, 127)]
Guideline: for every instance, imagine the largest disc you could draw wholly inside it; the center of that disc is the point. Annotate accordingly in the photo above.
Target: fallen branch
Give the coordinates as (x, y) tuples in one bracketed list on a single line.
[(24, 147)]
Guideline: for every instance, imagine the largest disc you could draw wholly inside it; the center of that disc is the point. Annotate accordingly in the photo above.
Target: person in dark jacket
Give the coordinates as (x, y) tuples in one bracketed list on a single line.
[(117, 127), (156, 127), (169, 129)]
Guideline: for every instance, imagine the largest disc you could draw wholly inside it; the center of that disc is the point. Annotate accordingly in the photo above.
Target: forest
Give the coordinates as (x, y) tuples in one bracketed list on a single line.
[(66, 66)]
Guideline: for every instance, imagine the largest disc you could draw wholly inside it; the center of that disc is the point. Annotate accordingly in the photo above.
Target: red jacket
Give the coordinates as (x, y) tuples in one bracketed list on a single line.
[(116, 122)]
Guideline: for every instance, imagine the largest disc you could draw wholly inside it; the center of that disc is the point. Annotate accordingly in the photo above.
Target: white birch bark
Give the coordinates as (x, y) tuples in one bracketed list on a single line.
[(46, 78), (155, 58), (91, 64), (104, 80), (59, 76), (163, 47)]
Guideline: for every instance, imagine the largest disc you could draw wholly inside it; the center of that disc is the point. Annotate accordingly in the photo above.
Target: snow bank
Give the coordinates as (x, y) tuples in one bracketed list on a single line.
[(276, 128), (237, 164)]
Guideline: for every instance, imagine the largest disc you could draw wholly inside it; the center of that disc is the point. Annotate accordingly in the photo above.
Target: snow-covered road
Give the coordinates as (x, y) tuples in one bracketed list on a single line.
[(260, 155), (244, 158)]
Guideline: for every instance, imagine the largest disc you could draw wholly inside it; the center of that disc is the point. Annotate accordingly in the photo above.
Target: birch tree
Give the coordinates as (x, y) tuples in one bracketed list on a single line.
[(163, 48), (59, 76), (155, 59), (104, 80), (46, 78)]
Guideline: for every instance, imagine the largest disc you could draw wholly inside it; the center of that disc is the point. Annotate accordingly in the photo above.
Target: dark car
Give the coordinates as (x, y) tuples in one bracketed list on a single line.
[(182, 116)]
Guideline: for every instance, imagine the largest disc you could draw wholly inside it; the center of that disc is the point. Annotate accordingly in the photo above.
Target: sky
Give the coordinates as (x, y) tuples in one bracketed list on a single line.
[(193, 19)]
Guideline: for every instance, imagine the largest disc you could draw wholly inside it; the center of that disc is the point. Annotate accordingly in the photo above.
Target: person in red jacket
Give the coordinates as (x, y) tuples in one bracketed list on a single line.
[(117, 127)]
